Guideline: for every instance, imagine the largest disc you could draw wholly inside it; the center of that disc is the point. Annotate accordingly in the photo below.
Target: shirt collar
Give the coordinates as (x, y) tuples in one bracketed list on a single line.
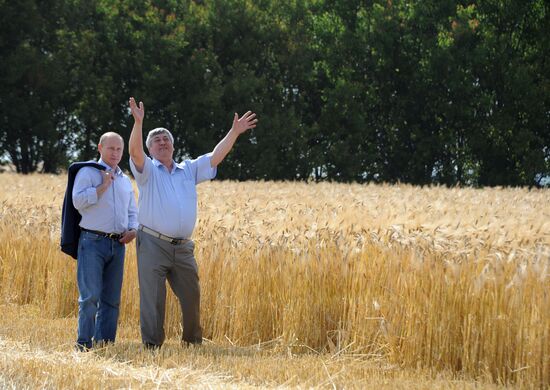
[(176, 165), (117, 171)]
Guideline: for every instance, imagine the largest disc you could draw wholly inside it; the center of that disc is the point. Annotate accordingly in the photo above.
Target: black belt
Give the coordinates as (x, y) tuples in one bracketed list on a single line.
[(112, 236), (154, 233)]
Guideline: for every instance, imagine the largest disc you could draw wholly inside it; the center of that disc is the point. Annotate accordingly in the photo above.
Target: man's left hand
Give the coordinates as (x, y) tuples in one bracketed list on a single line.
[(245, 122), (128, 236)]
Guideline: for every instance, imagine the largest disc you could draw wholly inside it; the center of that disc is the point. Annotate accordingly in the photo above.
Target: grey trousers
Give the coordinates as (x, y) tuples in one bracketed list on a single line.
[(158, 261)]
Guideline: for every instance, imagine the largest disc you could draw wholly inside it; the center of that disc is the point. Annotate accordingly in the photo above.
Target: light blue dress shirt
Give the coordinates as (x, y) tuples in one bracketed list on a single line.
[(168, 200), (115, 211)]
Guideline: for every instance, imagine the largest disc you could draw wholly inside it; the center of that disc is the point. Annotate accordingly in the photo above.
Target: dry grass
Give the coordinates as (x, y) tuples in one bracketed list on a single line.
[(307, 285), (36, 352)]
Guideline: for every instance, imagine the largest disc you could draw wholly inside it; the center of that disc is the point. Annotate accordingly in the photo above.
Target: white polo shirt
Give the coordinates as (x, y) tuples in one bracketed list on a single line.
[(168, 200)]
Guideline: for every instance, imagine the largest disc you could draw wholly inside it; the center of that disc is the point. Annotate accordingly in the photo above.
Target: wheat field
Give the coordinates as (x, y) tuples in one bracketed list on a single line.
[(303, 285)]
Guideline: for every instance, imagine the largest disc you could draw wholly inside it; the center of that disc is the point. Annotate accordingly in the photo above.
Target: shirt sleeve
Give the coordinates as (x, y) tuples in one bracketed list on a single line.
[(142, 177), (132, 213), (202, 169), (84, 192)]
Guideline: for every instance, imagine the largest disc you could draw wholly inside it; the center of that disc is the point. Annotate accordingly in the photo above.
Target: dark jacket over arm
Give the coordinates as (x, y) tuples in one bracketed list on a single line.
[(70, 217)]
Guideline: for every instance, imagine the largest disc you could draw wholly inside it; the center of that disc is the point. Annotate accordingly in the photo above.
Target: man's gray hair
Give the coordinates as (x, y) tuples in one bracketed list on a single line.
[(157, 131)]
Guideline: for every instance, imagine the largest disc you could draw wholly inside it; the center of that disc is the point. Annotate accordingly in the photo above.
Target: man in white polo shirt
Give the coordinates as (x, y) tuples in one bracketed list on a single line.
[(167, 214)]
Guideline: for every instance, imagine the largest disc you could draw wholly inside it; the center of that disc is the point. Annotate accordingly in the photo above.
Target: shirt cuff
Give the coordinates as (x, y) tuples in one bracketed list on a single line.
[(91, 195)]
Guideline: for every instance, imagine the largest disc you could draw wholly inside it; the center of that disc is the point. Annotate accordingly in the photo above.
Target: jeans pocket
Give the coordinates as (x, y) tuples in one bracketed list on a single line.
[(88, 243), (87, 236)]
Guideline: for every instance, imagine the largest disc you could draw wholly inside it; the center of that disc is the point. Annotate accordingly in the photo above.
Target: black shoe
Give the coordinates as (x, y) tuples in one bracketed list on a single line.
[(151, 346), (103, 343), (82, 348), (194, 343)]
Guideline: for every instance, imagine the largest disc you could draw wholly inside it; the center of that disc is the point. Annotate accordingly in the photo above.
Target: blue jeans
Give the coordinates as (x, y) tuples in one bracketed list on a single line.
[(100, 268)]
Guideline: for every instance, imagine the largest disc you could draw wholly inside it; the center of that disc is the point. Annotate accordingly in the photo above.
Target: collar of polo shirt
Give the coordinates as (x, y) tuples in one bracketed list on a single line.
[(176, 165)]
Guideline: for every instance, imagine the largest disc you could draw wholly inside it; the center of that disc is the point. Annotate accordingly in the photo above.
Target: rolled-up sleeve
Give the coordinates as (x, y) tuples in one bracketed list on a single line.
[(202, 168), (84, 193), (142, 177)]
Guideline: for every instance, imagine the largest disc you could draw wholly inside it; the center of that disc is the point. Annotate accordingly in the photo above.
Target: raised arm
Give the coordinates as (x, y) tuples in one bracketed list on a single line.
[(135, 146), (240, 125)]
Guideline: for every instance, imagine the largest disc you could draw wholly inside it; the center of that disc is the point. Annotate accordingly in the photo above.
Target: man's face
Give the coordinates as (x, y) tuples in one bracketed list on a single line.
[(111, 151), (161, 147)]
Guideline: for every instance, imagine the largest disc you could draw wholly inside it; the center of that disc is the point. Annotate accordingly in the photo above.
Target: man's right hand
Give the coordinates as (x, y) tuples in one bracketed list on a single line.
[(137, 154), (137, 112), (108, 179)]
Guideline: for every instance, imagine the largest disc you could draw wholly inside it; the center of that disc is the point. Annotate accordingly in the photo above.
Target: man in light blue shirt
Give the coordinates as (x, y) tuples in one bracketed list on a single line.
[(105, 199), (167, 215)]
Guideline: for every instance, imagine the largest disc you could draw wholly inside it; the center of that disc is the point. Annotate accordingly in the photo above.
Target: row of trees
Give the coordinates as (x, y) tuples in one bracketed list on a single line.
[(419, 91)]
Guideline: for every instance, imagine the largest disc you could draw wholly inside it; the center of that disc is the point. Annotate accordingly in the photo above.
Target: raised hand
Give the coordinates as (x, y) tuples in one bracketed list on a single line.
[(137, 112), (240, 125), (135, 145), (247, 121)]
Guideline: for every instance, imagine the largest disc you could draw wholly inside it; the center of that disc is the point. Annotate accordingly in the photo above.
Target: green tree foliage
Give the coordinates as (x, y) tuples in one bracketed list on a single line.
[(33, 114), (513, 145), (450, 92)]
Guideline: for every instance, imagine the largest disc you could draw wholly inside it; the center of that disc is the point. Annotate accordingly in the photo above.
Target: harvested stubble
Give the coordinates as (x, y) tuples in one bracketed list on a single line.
[(451, 279)]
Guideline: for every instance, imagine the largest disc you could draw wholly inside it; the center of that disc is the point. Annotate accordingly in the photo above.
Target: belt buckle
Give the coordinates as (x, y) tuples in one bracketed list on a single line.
[(174, 241), (112, 236)]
